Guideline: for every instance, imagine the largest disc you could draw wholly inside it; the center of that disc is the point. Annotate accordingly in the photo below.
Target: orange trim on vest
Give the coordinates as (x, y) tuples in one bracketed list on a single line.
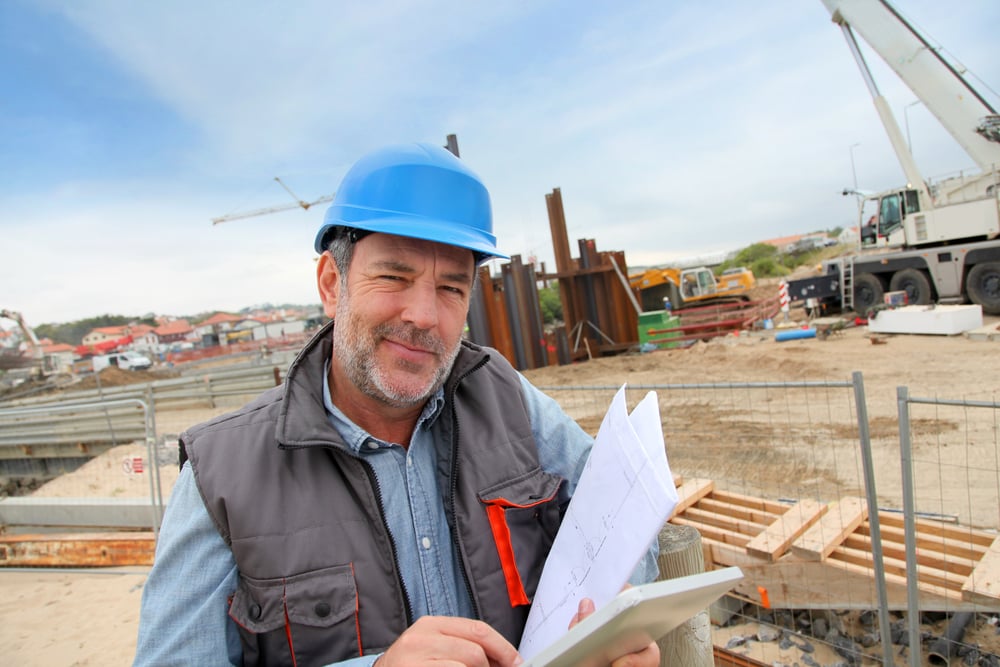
[(288, 626), (501, 535), (357, 617)]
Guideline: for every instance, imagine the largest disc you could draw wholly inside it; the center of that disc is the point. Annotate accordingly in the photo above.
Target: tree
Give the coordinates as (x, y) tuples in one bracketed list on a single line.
[(550, 303)]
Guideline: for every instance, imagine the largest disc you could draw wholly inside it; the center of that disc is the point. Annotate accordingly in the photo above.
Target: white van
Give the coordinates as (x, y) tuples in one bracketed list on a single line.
[(129, 360)]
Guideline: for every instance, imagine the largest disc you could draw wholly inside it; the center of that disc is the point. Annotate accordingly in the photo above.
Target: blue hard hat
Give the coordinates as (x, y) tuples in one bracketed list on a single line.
[(417, 190)]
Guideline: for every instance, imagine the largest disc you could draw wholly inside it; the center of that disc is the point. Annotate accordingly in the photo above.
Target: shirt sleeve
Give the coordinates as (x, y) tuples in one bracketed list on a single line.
[(184, 617), (563, 448)]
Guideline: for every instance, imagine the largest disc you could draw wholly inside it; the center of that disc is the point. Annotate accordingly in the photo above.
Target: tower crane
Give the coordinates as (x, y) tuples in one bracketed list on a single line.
[(299, 203)]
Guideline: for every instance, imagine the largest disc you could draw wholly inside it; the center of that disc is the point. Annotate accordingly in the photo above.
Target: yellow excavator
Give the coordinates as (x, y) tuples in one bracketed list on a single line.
[(671, 288)]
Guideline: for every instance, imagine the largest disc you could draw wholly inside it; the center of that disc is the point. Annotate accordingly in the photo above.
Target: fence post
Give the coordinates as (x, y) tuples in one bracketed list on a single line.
[(909, 525), (864, 434), (689, 644)]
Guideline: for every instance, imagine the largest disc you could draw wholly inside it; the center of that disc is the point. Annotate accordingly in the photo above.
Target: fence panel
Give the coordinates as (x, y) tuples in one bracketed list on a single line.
[(950, 465), (775, 476)]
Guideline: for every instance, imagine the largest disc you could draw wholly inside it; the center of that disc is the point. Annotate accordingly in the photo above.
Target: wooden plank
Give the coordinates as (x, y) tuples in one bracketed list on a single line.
[(951, 563), (774, 541), (926, 576), (691, 492), (77, 549), (949, 548), (713, 504), (962, 534), (712, 532), (831, 530), (751, 501), (983, 585), (701, 516)]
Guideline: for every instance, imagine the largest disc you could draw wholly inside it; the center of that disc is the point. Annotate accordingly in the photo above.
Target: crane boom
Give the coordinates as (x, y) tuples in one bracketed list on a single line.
[(963, 112), (272, 209), (299, 203)]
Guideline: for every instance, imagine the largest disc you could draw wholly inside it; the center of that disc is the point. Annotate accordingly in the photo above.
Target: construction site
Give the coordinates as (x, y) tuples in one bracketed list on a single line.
[(839, 444)]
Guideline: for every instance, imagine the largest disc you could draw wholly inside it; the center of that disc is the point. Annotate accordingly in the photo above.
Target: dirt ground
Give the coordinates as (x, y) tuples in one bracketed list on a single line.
[(72, 618)]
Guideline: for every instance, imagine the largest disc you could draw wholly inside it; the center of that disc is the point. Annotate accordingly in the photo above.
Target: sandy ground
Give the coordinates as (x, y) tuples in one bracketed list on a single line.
[(73, 618)]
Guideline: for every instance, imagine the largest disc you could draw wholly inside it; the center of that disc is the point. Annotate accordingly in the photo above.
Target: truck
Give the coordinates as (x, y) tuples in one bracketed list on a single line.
[(668, 287), (937, 241), (128, 360)]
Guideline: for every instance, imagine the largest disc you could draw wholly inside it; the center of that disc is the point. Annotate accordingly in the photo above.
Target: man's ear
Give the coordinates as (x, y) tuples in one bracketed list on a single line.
[(328, 281)]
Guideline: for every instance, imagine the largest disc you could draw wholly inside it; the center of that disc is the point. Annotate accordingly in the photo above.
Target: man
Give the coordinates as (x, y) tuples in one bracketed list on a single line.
[(396, 498)]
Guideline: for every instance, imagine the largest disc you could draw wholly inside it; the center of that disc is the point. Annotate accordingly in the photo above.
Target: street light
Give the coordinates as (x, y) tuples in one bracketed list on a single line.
[(854, 171), (906, 119)]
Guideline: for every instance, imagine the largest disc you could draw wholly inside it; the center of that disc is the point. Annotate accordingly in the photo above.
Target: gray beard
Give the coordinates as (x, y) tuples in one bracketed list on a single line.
[(356, 354)]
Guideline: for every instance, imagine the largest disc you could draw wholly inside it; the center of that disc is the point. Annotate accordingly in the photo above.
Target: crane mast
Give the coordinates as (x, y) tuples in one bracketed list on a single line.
[(962, 111)]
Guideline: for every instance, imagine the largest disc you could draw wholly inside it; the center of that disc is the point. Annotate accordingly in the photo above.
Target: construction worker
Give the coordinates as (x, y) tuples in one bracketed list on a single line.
[(396, 497)]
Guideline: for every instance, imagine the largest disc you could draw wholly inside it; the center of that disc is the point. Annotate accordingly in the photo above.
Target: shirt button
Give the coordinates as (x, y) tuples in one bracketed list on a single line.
[(255, 612), (426, 542), (409, 461), (322, 609), (372, 444)]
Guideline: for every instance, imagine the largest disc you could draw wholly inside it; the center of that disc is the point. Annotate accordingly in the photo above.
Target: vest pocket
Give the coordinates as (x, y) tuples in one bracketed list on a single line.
[(524, 516), (298, 607)]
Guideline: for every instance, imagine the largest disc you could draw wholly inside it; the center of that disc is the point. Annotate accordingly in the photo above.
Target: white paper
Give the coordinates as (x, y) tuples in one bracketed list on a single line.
[(625, 495)]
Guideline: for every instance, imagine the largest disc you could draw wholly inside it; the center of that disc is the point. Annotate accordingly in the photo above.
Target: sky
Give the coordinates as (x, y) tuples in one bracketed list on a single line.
[(674, 130)]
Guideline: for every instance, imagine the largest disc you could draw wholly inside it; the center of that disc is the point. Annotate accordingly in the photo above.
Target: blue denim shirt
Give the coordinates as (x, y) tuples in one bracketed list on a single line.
[(184, 615)]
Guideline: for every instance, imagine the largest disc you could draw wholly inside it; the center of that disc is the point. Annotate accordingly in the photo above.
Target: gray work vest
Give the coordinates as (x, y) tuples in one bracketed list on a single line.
[(318, 576)]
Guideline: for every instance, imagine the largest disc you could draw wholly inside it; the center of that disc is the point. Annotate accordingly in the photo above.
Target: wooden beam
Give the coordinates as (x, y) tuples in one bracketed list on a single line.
[(750, 501), (77, 549), (839, 522), (983, 585), (713, 504), (774, 541), (691, 492)]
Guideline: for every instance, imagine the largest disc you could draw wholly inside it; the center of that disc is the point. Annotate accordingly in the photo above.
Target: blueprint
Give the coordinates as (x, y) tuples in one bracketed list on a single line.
[(625, 495)]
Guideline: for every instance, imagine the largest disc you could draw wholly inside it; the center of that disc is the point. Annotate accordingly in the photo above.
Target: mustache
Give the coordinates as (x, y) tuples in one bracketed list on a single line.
[(410, 335)]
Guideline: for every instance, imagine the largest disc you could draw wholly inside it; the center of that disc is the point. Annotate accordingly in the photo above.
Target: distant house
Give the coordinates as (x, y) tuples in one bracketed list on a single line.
[(213, 330), (784, 243), (175, 331), (144, 337), (849, 236), (104, 334)]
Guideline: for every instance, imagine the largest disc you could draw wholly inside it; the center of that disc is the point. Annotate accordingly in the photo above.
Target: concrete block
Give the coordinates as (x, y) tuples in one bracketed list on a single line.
[(940, 320)]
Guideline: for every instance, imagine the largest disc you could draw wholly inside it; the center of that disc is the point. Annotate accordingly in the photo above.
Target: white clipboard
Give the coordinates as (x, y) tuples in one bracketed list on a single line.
[(634, 618)]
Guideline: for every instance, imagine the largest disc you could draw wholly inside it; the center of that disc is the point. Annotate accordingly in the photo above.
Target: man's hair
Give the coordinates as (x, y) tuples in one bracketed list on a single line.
[(341, 247)]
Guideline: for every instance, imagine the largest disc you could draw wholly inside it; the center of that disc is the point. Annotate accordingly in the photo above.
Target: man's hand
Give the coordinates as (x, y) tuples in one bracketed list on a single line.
[(447, 640), (647, 657)]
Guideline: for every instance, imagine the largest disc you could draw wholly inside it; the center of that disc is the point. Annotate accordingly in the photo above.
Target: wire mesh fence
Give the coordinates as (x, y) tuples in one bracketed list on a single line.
[(799, 486)]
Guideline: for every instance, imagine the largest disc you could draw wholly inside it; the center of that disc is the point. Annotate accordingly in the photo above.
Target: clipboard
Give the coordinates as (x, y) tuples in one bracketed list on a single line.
[(634, 618)]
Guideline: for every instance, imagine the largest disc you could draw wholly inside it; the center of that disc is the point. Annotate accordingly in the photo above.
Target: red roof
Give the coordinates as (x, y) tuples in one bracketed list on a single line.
[(173, 328), (219, 318)]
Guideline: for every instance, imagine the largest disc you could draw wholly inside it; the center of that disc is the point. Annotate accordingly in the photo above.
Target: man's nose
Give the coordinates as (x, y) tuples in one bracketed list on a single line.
[(421, 305)]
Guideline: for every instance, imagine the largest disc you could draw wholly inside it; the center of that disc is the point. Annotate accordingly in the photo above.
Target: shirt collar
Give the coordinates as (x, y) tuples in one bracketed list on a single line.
[(355, 436)]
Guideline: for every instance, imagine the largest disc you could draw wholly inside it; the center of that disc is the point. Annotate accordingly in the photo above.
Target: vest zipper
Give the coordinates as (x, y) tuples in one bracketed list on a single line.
[(453, 490), (395, 553)]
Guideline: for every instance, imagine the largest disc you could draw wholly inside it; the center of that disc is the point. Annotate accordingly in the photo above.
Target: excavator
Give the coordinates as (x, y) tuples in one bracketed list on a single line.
[(665, 288), (40, 368), (15, 358)]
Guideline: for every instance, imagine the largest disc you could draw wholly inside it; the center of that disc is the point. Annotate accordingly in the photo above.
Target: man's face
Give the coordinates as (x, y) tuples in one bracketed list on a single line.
[(399, 317)]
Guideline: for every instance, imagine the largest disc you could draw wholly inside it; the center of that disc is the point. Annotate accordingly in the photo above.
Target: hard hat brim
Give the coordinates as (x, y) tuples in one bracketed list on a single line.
[(479, 242)]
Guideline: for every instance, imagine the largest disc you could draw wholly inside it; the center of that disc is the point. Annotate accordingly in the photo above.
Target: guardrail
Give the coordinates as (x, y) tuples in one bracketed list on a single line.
[(196, 390)]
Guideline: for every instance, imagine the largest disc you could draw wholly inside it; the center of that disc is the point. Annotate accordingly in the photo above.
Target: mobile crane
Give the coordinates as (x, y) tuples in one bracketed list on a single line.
[(937, 241)]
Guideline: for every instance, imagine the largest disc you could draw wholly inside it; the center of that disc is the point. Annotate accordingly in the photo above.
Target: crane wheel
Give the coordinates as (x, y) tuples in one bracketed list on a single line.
[(916, 285), (983, 286), (868, 292)]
